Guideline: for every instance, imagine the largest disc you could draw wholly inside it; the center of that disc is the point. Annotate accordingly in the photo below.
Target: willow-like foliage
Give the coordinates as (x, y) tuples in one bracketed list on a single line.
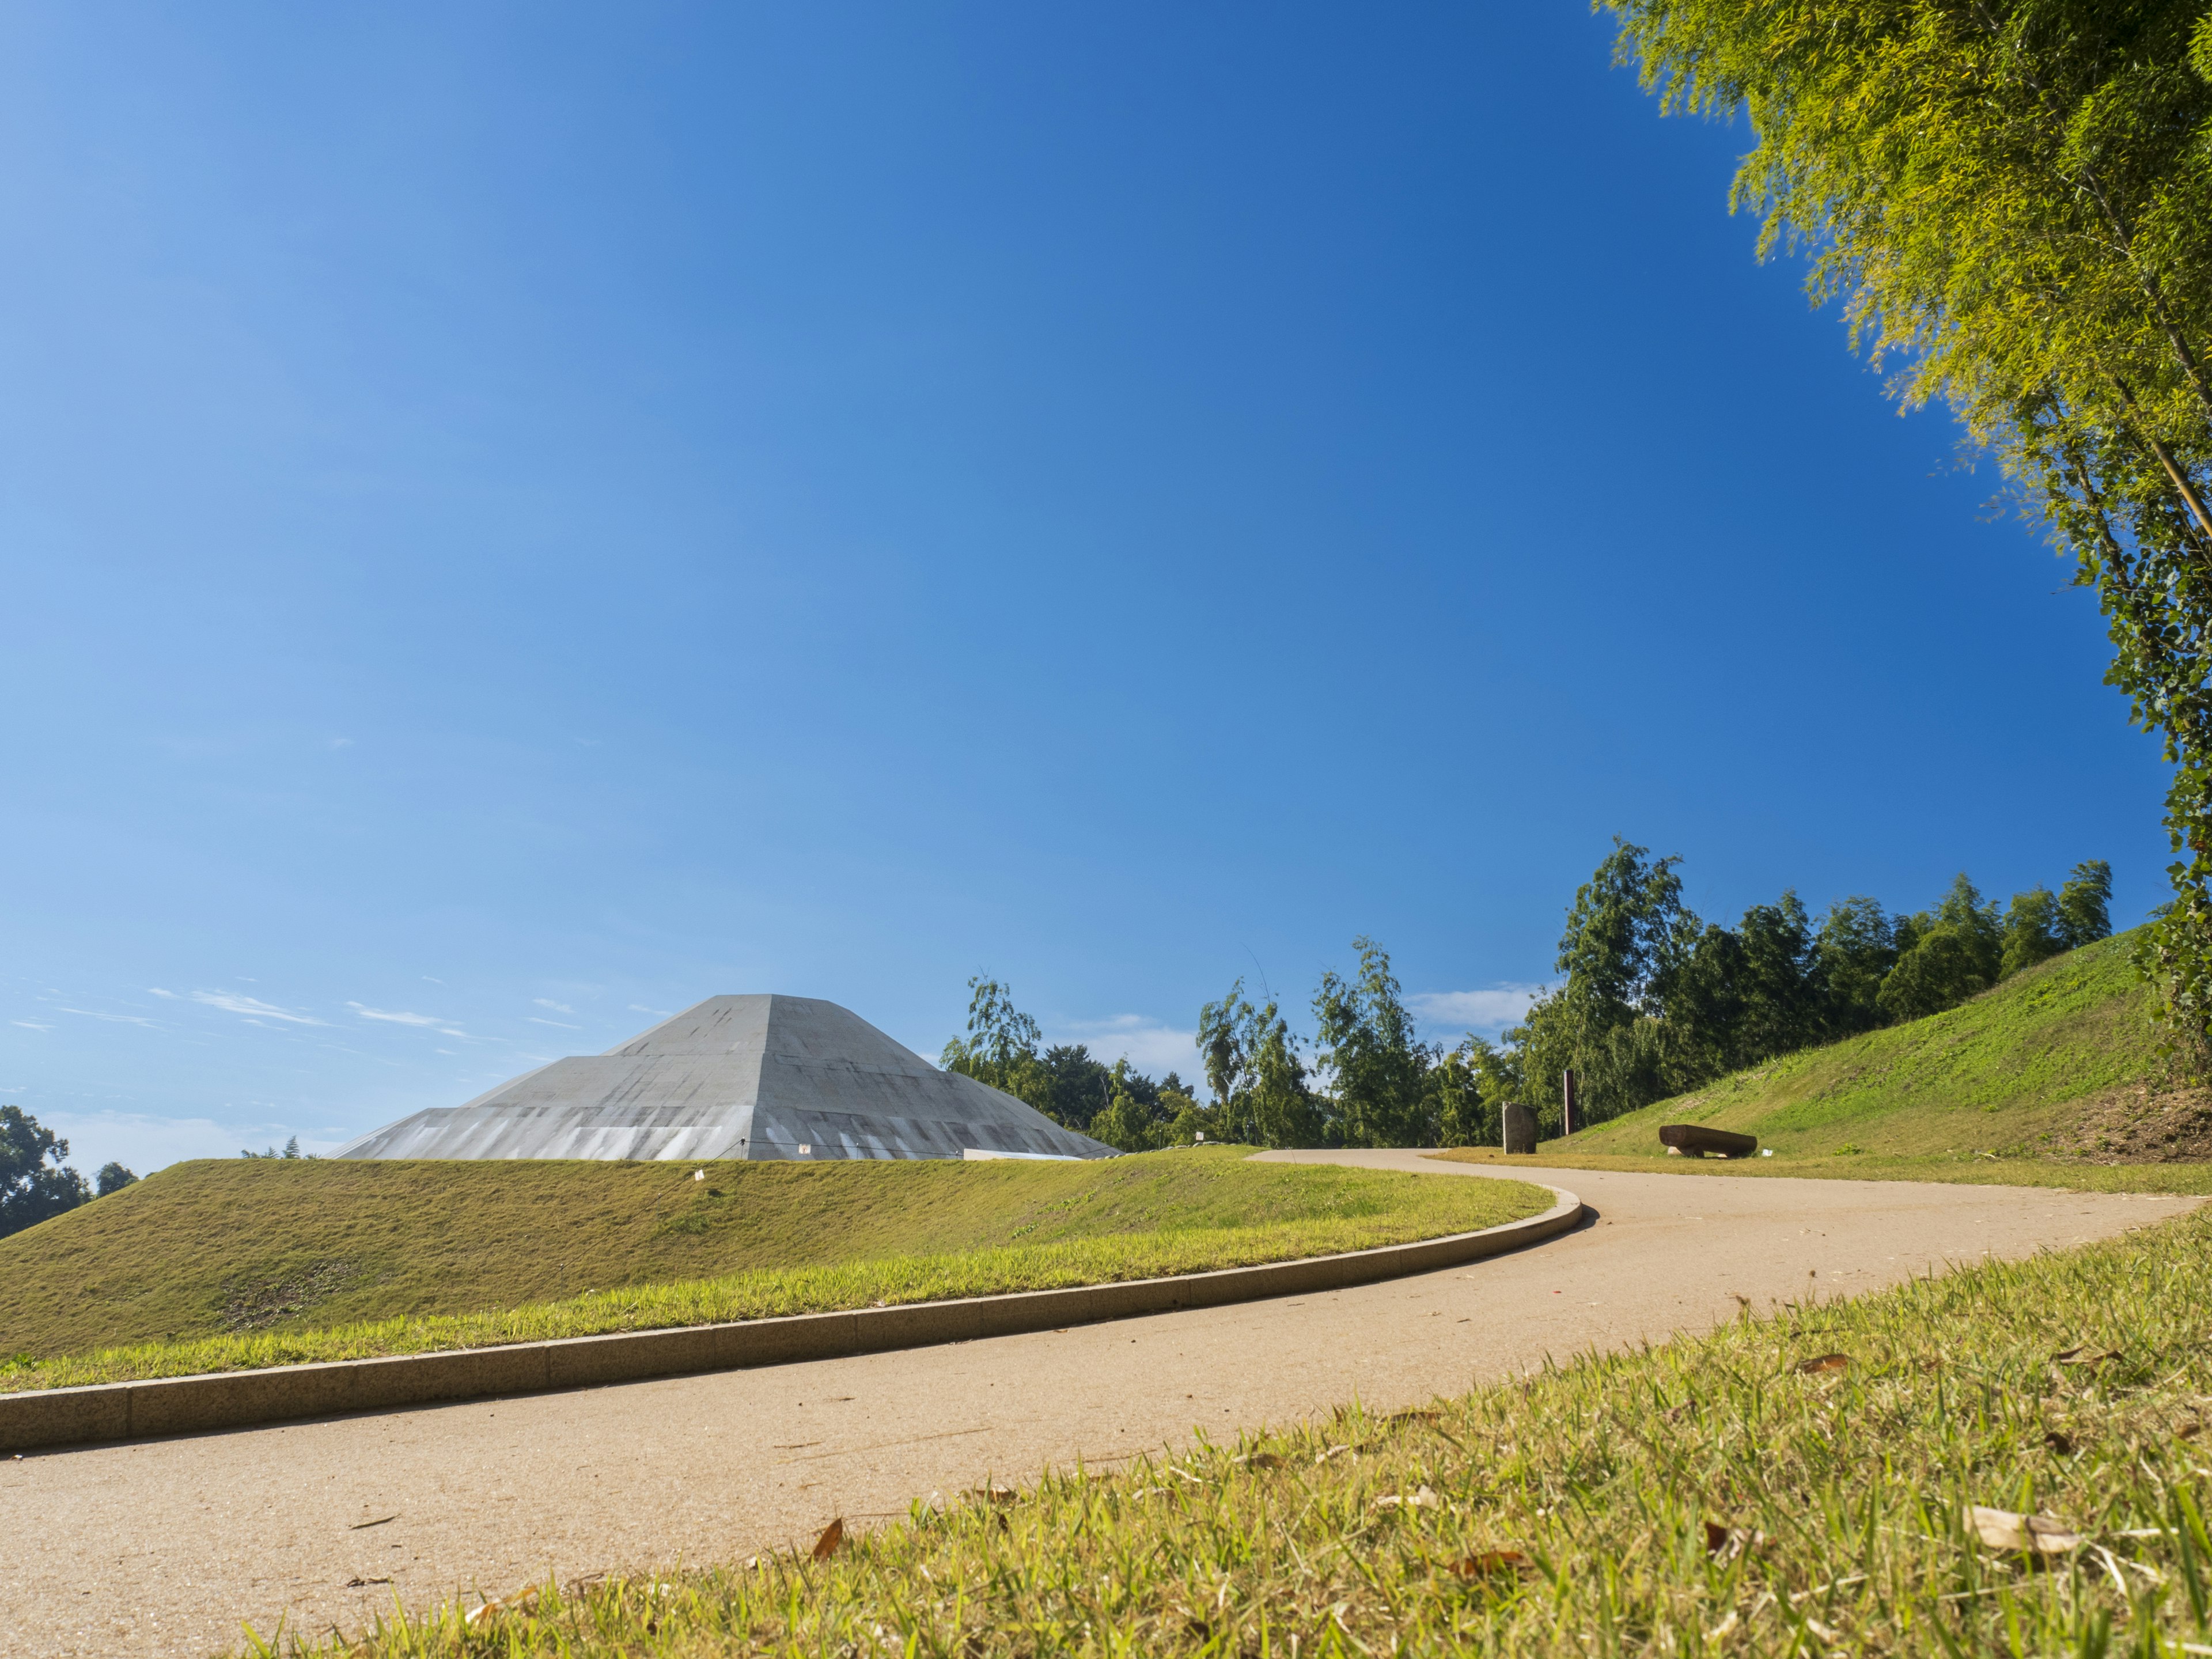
[(2013, 202)]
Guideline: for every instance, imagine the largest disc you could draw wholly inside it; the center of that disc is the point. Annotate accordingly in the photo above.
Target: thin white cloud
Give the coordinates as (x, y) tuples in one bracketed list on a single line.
[(396, 1016), (231, 1002), (1149, 1045), (341, 742), (1486, 1010), (119, 1019), (447, 1031), (431, 980), (561, 1024), (558, 1007), (30, 1025), (658, 1013), (156, 991)]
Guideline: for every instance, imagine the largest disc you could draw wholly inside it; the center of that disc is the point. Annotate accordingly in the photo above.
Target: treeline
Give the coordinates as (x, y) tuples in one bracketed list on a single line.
[(1653, 1001), (1656, 1002), (34, 1182), (1367, 1079)]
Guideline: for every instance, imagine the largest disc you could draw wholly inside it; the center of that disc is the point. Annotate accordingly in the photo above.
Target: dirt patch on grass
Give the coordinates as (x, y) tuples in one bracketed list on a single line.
[(250, 1304), (2136, 1123)]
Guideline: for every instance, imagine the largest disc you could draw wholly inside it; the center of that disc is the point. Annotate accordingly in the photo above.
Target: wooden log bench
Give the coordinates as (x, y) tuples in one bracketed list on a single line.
[(1695, 1140)]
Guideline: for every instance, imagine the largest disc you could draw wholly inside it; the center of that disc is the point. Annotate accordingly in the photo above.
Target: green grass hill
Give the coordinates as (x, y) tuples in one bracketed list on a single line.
[(2046, 1077), (243, 1261)]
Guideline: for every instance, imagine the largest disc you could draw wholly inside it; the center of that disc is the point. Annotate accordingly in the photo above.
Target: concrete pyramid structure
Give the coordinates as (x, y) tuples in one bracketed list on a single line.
[(753, 1077)]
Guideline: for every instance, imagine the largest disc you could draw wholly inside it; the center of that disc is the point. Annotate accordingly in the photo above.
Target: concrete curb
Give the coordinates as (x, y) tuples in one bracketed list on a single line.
[(233, 1400)]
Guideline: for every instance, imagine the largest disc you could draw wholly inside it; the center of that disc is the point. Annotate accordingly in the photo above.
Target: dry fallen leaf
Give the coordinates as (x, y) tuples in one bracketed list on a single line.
[(492, 1609), (832, 1536), (1489, 1561), (2004, 1529), (1423, 1499), (1261, 1460), (997, 1494), (2085, 1356), (1820, 1364), (1422, 1416), (1729, 1543)]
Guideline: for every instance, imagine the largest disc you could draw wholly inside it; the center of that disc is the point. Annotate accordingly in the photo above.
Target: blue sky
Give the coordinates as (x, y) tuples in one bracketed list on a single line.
[(515, 519)]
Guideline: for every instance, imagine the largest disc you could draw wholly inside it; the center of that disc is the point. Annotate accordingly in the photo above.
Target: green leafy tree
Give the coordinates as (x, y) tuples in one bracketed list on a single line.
[(1956, 951), (1000, 1048), (1468, 1091), (34, 1183), (1857, 947), (1143, 1116), (1378, 1067), (291, 1150), (112, 1178), (1627, 939), (2030, 929), (1261, 1090), (2013, 200), (2085, 905), (1080, 1086)]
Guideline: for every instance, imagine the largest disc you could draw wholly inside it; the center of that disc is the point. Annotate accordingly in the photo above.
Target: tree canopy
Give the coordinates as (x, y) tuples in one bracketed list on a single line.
[(34, 1182), (2012, 199)]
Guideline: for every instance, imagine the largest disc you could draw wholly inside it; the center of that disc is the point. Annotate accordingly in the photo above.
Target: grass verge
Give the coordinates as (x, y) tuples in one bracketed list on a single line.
[(1198, 1210), (1977, 1171), (1797, 1483)]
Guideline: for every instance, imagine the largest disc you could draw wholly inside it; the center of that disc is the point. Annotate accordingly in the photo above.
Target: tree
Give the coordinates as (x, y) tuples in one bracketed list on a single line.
[(2014, 197), (1080, 1087), (291, 1150), (1626, 942), (1000, 1048), (112, 1178), (34, 1183), (2085, 905), (1857, 947), (2030, 929), (1955, 953), (1251, 1061), (1378, 1067)]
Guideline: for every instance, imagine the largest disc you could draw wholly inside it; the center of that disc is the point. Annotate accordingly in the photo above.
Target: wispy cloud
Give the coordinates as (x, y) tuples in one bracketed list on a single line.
[(30, 1025), (233, 1002), (156, 991), (558, 1007), (119, 1019), (658, 1013), (560, 1024), (1487, 1011), (1150, 1045), (395, 1017)]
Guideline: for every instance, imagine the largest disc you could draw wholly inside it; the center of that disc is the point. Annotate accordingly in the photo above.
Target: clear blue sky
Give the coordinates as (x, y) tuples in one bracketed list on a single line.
[(515, 518)]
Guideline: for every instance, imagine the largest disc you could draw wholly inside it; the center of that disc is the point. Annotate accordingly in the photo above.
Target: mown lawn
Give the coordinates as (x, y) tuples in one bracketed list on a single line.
[(1806, 1483), (1996, 1074), (266, 1263)]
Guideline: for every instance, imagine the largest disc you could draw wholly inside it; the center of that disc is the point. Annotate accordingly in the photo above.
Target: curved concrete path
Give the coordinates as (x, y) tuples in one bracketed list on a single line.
[(164, 1546)]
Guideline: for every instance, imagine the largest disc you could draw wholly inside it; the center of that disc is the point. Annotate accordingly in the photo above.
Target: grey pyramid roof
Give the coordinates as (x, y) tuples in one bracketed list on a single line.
[(752, 1077)]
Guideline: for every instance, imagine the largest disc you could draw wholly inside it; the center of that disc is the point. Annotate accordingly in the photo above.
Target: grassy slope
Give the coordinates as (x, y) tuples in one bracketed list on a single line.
[(1706, 1497), (396, 1257), (1991, 1084)]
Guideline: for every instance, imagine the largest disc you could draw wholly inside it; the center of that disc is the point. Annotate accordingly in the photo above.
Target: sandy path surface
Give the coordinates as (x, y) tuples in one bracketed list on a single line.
[(165, 1546)]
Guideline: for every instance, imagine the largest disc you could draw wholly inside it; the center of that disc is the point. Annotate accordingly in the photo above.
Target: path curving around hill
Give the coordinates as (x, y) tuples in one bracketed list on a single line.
[(164, 1546)]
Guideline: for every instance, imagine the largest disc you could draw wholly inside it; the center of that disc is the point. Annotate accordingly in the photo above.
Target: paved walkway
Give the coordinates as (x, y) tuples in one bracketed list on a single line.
[(164, 1546)]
